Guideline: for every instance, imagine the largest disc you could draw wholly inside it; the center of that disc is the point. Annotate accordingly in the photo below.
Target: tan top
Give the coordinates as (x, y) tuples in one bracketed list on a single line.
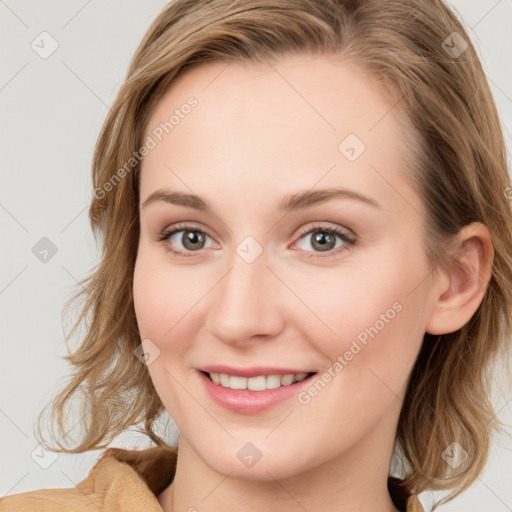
[(130, 481)]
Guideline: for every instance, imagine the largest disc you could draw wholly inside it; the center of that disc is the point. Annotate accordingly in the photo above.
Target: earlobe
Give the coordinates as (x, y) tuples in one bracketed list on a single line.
[(463, 286)]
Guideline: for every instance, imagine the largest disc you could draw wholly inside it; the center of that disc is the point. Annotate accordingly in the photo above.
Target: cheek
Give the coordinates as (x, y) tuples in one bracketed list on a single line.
[(166, 298), (371, 314), (378, 327), (161, 301), (148, 297)]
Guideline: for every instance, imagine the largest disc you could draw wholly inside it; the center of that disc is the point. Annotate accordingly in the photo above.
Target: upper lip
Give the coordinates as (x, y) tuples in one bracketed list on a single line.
[(252, 371)]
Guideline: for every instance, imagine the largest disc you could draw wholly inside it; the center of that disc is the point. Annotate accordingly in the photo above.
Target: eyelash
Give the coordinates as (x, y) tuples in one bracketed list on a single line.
[(348, 241)]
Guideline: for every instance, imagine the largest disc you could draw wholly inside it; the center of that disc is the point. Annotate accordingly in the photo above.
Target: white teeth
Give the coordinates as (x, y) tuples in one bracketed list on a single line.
[(236, 382), (256, 383), (259, 383), (286, 380), (273, 381)]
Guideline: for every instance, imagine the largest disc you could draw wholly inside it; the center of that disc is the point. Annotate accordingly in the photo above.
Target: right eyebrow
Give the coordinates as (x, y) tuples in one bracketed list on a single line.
[(178, 198)]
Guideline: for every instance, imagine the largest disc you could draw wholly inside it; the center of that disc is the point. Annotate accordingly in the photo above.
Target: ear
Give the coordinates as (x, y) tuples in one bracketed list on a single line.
[(463, 285)]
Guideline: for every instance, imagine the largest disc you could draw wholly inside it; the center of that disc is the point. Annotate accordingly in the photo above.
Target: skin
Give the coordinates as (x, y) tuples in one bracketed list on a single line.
[(258, 133)]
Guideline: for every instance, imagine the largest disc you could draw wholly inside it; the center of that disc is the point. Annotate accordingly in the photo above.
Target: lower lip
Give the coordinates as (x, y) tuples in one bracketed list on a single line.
[(247, 401)]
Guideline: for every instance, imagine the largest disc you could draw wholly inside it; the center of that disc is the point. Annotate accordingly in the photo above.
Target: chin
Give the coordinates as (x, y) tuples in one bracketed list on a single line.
[(244, 464)]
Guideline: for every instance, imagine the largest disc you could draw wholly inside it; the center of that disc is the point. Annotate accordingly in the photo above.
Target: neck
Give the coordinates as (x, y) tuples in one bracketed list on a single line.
[(354, 481)]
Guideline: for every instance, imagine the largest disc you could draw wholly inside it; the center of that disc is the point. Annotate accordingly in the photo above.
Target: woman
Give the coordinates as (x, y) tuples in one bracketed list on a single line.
[(306, 263)]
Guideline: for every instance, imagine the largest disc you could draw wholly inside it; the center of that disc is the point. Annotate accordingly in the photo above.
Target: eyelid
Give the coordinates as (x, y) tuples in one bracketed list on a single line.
[(349, 240), (166, 233), (180, 226), (319, 226)]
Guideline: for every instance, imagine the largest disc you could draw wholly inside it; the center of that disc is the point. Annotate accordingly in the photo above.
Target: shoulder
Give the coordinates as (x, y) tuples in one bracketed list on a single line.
[(121, 477), (44, 500)]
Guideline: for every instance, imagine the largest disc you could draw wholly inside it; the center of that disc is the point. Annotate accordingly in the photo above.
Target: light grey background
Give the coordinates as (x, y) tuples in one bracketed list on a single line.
[(51, 111)]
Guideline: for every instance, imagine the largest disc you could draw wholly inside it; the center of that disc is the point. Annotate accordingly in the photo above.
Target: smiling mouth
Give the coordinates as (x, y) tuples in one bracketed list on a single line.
[(257, 383)]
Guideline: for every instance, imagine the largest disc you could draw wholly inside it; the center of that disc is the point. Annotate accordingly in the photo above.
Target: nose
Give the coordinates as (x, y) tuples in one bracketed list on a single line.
[(245, 304)]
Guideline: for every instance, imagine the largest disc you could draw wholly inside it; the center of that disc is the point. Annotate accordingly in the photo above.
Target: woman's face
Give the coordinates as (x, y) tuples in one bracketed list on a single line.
[(260, 283)]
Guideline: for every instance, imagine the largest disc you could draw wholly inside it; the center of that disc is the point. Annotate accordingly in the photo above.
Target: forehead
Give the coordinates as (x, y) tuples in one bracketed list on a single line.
[(329, 93), (288, 123)]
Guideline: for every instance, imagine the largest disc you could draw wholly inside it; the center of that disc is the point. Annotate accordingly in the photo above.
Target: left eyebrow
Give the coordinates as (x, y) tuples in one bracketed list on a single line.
[(308, 198), (297, 201)]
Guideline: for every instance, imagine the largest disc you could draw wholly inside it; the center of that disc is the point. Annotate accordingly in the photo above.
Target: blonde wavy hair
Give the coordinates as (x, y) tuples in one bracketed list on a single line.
[(457, 164)]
